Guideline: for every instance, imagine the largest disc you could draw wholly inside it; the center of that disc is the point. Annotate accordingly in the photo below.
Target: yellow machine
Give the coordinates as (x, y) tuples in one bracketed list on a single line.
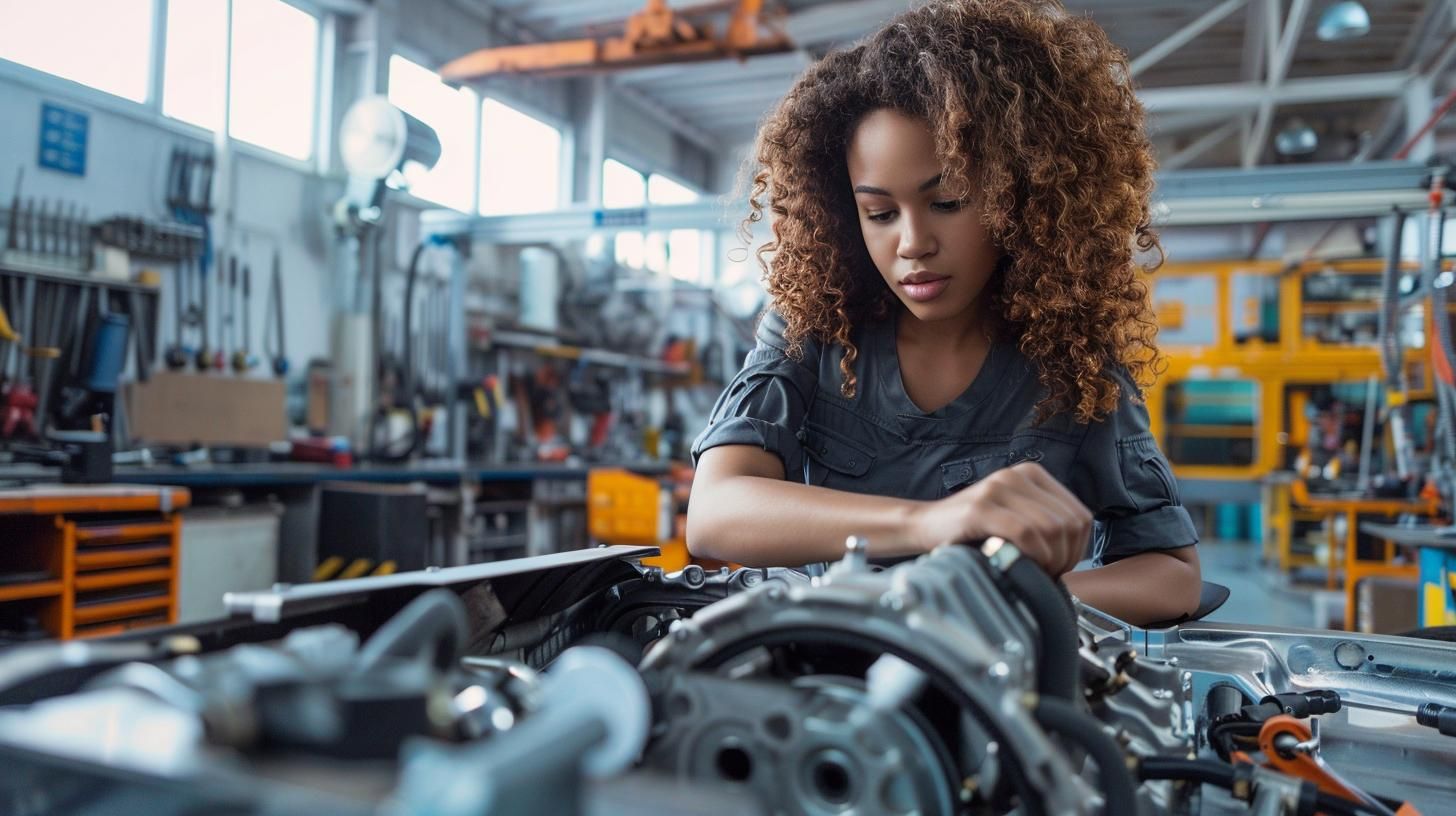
[(1239, 337), (625, 508), (1247, 344)]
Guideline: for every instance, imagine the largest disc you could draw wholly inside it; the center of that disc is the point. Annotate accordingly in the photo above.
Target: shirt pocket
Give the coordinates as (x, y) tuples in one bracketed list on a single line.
[(830, 452), (1146, 475), (962, 473)]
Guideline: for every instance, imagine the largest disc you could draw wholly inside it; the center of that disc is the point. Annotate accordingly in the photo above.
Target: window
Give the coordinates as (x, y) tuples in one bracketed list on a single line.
[(520, 161), (106, 44), (418, 91), (275, 76), (623, 186), (274, 71), (193, 77), (680, 253)]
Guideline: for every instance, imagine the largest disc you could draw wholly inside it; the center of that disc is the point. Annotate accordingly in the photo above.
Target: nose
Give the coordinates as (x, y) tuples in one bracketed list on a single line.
[(917, 240)]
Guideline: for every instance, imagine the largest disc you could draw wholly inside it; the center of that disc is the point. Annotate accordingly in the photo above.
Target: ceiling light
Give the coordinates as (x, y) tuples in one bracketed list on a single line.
[(1346, 20), (1296, 139)]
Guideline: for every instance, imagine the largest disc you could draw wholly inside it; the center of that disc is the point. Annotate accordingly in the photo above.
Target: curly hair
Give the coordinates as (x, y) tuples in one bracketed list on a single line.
[(1032, 106)]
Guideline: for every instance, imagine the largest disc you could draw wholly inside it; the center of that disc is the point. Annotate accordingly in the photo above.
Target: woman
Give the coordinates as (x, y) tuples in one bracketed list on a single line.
[(958, 329)]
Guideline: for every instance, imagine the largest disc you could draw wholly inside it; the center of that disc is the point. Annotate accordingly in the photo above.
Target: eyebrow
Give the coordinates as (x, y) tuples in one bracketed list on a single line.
[(925, 185)]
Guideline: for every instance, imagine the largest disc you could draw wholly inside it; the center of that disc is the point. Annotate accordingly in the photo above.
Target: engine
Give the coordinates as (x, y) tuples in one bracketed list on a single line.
[(964, 682)]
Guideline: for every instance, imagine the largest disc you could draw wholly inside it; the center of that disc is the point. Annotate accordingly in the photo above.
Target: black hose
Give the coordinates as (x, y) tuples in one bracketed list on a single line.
[(436, 621), (1196, 770), (1058, 666), (1224, 776), (1065, 719), (1332, 805)]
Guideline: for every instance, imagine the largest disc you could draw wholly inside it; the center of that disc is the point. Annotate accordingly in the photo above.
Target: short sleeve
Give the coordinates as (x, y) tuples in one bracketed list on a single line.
[(1122, 476), (767, 401)]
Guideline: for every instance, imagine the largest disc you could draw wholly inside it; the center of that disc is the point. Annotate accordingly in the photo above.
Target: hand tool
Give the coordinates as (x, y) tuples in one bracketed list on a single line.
[(204, 354), (224, 313), (12, 226), (19, 397), (273, 343), (48, 351), (7, 336), (28, 232), (143, 338), (47, 223), (203, 204), (176, 355), (243, 359)]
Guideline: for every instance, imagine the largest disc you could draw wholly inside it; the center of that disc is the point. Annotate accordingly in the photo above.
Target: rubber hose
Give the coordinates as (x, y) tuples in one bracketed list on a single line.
[(1066, 720), (436, 621), (1332, 805), (1058, 665), (1221, 775), (1196, 770)]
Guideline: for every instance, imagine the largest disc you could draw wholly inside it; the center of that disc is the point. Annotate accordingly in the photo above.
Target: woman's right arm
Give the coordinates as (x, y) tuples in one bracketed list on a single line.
[(743, 510)]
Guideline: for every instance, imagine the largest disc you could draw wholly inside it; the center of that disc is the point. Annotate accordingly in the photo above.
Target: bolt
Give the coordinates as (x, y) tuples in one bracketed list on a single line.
[(999, 670)]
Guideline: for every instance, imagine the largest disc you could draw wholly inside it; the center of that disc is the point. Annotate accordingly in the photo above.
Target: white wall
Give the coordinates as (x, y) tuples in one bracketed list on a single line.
[(277, 204)]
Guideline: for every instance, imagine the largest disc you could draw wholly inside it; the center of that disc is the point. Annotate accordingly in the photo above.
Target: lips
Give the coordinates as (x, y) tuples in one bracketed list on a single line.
[(924, 286)]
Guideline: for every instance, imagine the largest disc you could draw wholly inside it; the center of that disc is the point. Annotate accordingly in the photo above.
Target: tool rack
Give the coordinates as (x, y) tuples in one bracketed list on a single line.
[(89, 561)]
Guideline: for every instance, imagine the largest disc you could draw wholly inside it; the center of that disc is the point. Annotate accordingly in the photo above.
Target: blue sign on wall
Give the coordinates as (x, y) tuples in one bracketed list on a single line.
[(63, 139), (619, 218)]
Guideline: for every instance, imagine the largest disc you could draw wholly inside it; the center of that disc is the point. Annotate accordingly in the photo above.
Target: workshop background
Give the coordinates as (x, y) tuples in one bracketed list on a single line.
[(303, 290)]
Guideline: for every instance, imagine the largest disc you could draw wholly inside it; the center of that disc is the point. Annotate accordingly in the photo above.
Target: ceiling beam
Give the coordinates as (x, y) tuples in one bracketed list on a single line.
[(1184, 35), (1281, 56), (1200, 146), (1245, 96)]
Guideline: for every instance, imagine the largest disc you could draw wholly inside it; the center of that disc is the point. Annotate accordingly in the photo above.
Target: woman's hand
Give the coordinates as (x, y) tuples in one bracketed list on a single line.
[(1022, 504)]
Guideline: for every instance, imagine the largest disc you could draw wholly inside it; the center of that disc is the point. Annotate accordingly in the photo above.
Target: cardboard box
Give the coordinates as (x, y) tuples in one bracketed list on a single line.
[(180, 409)]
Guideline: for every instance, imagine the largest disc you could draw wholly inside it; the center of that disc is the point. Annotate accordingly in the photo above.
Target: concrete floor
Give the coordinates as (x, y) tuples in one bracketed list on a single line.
[(1260, 595)]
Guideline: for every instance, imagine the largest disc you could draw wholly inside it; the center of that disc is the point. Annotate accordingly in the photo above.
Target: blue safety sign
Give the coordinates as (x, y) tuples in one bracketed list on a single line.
[(63, 139)]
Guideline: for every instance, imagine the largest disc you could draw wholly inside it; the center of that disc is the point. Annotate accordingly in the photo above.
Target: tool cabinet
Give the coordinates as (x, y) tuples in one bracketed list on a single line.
[(88, 561)]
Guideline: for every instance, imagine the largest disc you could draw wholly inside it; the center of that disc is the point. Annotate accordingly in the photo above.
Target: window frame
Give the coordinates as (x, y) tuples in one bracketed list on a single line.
[(150, 112)]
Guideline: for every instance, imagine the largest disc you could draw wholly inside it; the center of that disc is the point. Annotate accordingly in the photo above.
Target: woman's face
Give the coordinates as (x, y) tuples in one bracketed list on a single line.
[(932, 250)]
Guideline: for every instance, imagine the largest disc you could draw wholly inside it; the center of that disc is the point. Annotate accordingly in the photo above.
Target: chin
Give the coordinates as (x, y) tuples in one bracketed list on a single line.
[(941, 308)]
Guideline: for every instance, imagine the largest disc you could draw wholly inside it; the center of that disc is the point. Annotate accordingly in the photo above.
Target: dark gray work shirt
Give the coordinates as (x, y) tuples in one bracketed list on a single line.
[(880, 443)]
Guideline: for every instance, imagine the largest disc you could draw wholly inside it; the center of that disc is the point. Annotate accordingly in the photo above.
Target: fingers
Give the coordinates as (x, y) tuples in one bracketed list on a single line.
[(1028, 507), (1076, 517)]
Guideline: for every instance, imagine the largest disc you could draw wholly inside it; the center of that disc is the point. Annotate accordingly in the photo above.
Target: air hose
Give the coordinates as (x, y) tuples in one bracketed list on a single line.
[(1058, 664), (1066, 720)]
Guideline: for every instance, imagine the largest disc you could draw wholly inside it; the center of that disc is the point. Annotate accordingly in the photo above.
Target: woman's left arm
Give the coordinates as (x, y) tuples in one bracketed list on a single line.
[(1156, 585), (1145, 550)]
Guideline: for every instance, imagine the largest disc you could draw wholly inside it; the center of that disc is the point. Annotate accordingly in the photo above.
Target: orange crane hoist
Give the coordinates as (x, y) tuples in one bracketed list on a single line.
[(653, 36)]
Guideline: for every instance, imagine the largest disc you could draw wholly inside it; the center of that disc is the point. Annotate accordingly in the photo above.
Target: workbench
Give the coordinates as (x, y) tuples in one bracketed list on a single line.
[(529, 508), (1436, 570)]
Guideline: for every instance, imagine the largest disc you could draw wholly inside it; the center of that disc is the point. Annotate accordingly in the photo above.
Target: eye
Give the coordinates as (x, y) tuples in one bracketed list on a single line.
[(947, 206), (882, 217)]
